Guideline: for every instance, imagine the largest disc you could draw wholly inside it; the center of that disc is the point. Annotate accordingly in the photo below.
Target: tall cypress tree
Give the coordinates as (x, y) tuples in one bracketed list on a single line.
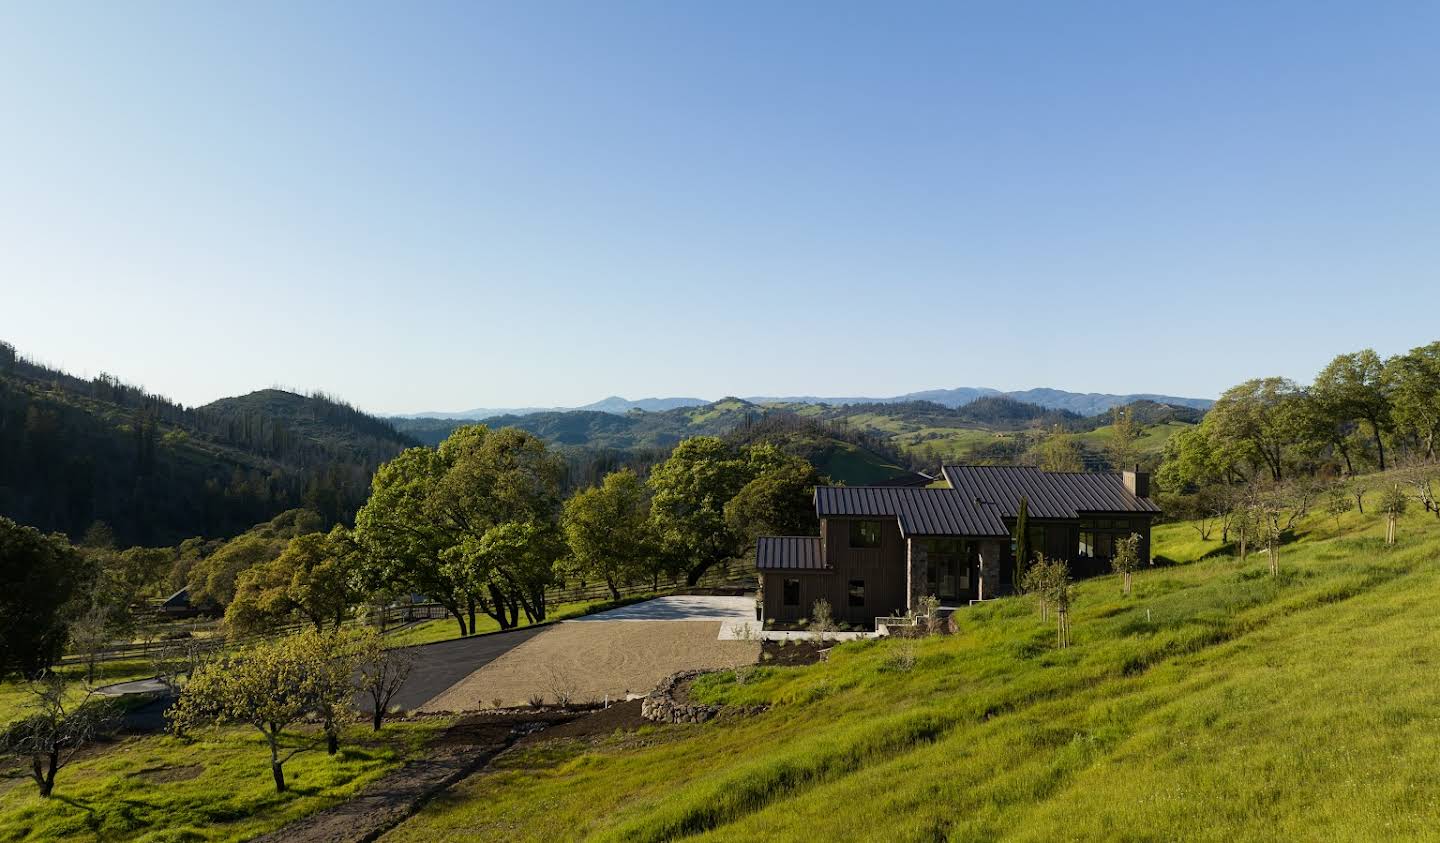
[(1022, 540)]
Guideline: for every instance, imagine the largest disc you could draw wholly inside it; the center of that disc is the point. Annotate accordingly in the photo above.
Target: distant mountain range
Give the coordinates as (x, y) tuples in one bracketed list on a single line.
[(1083, 403)]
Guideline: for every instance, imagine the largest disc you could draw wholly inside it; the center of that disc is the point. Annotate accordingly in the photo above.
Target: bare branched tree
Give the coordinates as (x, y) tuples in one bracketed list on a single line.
[(51, 736)]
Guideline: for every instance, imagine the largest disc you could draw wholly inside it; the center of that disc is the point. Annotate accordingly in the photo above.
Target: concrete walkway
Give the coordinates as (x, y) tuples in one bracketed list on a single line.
[(681, 607), (754, 631)]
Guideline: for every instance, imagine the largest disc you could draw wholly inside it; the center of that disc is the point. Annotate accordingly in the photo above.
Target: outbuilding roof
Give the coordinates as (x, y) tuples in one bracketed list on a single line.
[(1048, 494), (789, 553)]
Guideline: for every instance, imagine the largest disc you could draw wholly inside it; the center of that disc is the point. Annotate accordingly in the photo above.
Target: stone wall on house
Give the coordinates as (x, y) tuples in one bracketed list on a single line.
[(990, 551), (915, 571)]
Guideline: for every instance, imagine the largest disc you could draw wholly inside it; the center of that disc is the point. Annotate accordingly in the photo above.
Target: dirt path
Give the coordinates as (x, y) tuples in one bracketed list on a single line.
[(463, 749), (593, 660)]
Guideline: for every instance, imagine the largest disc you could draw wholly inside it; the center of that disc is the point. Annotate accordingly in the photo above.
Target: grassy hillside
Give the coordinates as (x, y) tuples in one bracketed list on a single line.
[(1216, 703), (1151, 442)]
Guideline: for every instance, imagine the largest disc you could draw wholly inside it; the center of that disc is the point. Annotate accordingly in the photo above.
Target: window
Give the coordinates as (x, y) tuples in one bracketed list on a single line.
[(857, 594), (792, 593), (864, 533), (1097, 538)]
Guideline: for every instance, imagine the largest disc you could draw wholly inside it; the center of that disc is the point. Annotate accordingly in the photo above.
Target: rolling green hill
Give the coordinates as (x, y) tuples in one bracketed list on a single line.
[(1215, 703)]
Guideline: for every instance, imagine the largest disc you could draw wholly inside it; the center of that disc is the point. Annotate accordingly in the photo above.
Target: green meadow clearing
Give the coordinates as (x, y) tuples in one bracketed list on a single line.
[(213, 786), (1215, 703)]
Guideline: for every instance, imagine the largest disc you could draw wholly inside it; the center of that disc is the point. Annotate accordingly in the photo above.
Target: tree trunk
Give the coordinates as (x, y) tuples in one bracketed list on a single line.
[(472, 615), (501, 613), (460, 619), (45, 775), (377, 719), (275, 769), (614, 592), (1379, 443), (1127, 582), (332, 741)]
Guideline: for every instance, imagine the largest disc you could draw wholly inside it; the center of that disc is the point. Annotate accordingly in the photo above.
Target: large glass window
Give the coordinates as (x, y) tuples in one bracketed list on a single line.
[(864, 533), (857, 594), (1097, 536), (792, 593), (947, 568)]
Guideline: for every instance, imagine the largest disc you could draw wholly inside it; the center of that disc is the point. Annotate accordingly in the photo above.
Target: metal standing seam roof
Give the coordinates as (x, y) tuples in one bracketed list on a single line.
[(922, 512), (1048, 494), (789, 553)]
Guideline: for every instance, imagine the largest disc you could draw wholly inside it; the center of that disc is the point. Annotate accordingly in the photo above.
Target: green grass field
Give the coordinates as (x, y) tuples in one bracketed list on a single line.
[(1215, 703), (15, 695), (214, 787)]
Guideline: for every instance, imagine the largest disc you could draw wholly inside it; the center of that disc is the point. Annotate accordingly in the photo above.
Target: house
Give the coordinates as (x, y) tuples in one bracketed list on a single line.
[(178, 605), (881, 549)]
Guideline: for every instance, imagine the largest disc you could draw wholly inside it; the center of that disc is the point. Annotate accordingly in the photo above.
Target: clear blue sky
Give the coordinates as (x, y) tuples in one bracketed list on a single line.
[(434, 206)]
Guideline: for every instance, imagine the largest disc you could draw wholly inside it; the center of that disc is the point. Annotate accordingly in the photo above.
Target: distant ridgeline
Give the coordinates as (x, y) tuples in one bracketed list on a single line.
[(75, 451), (851, 443)]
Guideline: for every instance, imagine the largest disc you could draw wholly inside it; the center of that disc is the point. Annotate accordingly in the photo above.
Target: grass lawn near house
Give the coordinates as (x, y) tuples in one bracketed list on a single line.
[(216, 786), (1215, 703)]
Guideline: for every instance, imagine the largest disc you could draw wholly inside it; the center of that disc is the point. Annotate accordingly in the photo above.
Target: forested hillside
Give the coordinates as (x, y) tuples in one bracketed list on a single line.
[(844, 452), (860, 443), (74, 451)]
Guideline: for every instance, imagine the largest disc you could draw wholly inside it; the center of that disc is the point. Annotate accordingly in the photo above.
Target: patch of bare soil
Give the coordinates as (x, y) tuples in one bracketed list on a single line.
[(620, 717), (793, 653)]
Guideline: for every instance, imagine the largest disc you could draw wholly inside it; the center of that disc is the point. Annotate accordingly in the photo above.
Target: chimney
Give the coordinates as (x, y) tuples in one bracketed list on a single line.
[(1137, 482)]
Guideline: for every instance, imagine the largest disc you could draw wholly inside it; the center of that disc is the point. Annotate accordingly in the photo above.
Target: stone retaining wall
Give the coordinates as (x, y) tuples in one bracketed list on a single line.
[(661, 706)]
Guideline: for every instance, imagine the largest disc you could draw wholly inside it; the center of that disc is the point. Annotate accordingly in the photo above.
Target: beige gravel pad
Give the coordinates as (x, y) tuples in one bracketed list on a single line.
[(594, 659)]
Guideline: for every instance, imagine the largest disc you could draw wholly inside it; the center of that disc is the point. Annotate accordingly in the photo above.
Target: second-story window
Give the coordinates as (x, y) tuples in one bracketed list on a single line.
[(864, 533)]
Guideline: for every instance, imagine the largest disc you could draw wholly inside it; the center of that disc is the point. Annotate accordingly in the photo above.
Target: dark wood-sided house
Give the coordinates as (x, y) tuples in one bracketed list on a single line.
[(882, 549)]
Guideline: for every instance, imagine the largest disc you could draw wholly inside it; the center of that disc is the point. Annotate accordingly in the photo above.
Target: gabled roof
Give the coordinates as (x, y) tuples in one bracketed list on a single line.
[(1048, 494), (789, 553), (922, 512)]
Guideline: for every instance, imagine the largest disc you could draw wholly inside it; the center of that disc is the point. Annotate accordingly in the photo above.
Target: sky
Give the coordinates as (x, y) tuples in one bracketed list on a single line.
[(497, 204)]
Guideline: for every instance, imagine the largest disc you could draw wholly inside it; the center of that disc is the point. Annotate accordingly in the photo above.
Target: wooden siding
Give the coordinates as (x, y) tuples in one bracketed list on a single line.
[(881, 568)]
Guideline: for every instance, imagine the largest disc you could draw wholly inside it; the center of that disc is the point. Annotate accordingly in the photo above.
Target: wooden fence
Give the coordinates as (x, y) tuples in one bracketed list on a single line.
[(392, 615)]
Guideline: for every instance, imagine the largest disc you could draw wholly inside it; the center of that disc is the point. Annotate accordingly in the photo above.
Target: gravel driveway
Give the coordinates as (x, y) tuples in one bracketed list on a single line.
[(593, 660)]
